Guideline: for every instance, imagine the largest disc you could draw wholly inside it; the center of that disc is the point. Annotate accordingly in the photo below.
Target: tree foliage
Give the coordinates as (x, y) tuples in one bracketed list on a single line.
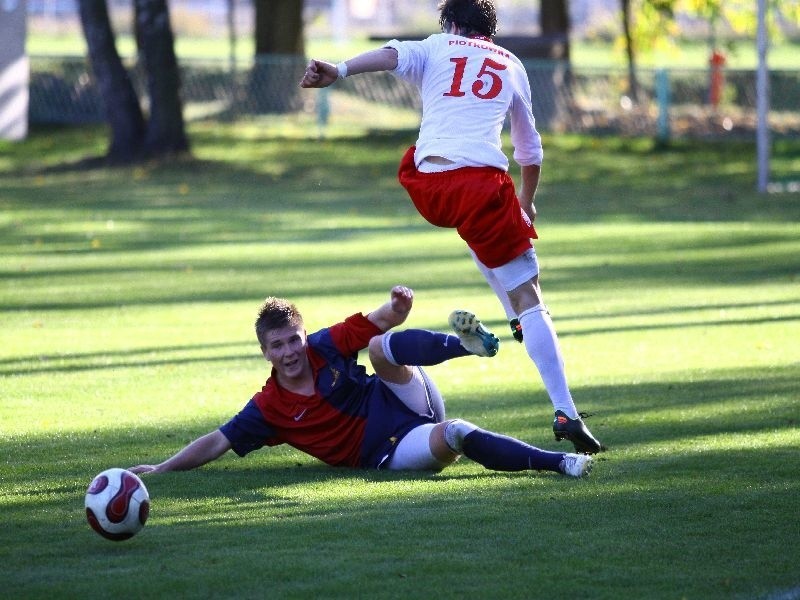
[(740, 16), (654, 25), (649, 25)]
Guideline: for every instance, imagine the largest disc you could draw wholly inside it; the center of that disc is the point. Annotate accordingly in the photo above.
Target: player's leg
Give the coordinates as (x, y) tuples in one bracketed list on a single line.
[(502, 296), (407, 382), (419, 393), (396, 354), (431, 447), (394, 349), (497, 232), (520, 278), (500, 452), (417, 452)]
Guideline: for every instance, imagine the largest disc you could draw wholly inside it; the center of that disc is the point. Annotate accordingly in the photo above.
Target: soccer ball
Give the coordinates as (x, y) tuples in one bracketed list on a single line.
[(117, 504)]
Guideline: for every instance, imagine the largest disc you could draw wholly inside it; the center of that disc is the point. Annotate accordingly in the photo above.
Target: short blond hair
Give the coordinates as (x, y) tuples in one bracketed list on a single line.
[(276, 313)]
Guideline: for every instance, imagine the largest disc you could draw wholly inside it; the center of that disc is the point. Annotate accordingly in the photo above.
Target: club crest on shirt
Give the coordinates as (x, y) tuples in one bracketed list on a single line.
[(335, 373)]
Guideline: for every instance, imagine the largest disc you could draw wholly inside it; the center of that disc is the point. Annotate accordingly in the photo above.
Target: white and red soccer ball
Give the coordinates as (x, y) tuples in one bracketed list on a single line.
[(117, 504)]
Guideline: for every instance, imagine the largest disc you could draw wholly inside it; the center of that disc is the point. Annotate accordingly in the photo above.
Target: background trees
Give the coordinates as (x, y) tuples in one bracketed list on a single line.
[(646, 24), (156, 128), (165, 132), (279, 55), (134, 136)]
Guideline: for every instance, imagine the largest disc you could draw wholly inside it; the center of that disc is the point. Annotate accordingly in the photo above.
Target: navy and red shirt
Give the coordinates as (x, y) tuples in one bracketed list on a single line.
[(352, 419)]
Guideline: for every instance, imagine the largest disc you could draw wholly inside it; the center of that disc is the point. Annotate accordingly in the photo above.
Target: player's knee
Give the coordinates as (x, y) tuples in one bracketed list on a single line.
[(380, 350), (524, 297), (375, 349), (383, 362), (439, 447), (455, 431)]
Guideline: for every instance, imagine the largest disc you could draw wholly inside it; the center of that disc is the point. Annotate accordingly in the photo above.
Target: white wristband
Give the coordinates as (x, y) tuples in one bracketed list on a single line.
[(342, 68)]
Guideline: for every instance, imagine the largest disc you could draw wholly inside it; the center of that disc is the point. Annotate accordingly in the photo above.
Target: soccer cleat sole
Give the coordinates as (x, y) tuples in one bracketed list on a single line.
[(473, 335)]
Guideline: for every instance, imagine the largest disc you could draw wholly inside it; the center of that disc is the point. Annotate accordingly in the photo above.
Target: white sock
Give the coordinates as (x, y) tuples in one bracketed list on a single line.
[(541, 344)]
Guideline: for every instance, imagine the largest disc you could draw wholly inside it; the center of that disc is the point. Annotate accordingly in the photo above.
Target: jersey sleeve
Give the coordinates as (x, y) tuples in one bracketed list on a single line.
[(247, 430), (411, 57), (353, 334)]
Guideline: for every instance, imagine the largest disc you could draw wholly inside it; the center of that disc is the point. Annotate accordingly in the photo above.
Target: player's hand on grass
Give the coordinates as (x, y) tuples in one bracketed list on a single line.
[(319, 74), (138, 469)]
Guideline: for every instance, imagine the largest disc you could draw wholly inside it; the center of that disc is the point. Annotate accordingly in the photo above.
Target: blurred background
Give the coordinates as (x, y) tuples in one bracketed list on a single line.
[(664, 68)]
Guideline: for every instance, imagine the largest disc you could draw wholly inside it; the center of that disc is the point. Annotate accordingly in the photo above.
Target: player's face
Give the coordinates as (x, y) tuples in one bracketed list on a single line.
[(286, 349)]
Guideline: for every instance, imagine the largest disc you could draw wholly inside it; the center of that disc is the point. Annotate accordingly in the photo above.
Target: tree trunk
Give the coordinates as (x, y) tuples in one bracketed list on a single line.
[(123, 112), (279, 27), (633, 83), (165, 133), (280, 55), (553, 78), (554, 23)]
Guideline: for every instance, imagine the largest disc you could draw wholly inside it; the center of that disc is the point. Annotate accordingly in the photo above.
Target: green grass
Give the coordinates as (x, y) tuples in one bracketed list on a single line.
[(126, 304)]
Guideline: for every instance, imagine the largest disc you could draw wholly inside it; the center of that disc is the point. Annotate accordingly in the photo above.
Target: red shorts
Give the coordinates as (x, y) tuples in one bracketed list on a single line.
[(479, 202)]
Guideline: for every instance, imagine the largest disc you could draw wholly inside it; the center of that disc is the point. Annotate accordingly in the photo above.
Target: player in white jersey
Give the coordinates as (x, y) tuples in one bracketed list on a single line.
[(457, 173)]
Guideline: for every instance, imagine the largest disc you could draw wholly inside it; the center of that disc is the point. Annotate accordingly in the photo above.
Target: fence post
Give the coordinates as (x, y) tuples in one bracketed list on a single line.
[(762, 100), (662, 96), (323, 110), (717, 83), (14, 71)]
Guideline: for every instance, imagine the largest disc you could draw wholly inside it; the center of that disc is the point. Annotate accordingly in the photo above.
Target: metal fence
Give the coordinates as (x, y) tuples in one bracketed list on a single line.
[(676, 103)]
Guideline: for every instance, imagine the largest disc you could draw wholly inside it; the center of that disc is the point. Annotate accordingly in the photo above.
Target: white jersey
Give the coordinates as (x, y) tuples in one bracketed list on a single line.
[(468, 86)]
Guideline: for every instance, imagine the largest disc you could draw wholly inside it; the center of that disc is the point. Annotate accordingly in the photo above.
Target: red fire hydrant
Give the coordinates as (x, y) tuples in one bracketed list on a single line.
[(716, 62)]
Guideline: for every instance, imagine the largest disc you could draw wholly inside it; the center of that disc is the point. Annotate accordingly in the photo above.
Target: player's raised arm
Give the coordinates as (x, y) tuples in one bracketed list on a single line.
[(320, 73), (395, 311), (201, 451)]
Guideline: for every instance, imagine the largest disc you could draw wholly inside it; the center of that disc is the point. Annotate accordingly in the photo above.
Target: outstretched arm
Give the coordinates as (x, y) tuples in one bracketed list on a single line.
[(201, 451), (395, 311), (320, 73)]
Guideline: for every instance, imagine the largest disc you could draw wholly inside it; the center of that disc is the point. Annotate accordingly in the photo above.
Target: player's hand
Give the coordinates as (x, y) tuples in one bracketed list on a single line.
[(528, 209), (402, 298), (319, 74), (139, 469)]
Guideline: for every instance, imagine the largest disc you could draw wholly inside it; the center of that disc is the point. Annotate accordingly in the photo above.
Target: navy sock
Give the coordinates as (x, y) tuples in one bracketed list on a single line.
[(421, 347), (503, 453)]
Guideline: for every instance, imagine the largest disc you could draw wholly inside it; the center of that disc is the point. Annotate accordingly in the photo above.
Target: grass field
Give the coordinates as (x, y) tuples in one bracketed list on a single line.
[(127, 297)]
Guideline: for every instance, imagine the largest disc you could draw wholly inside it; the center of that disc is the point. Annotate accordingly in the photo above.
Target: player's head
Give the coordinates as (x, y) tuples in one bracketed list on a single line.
[(470, 17), (276, 313)]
